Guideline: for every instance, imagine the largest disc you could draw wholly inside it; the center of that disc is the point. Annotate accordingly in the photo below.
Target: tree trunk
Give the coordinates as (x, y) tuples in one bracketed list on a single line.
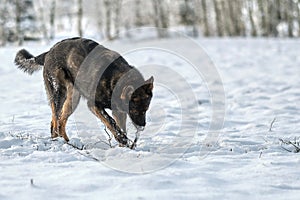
[(241, 30), (194, 19), (138, 17), (273, 18), (250, 12), (164, 18), (219, 26), (107, 5), (52, 19), (99, 15), (205, 18), (226, 16), (263, 14), (290, 12), (79, 18), (2, 36), (156, 18), (298, 16), (3, 20), (161, 18), (118, 6), (42, 20), (232, 11), (19, 31)]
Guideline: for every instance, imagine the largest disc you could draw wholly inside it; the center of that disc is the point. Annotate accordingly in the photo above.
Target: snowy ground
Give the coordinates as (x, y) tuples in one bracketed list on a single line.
[(172, 161)]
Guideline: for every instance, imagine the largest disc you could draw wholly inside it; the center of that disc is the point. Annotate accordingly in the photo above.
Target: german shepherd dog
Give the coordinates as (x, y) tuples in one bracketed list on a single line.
[(78, 67)]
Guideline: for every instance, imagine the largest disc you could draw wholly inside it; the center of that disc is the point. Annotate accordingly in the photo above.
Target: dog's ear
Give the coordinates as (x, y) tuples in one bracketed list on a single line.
[(150, 80), (127, 92), (149, 84)]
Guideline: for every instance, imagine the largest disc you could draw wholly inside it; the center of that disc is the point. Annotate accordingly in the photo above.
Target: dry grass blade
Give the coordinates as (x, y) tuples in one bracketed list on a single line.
[(297, 148), (272, 123)]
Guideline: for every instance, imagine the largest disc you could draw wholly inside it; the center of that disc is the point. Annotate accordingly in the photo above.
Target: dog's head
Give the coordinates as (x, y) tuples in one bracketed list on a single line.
[(139, 101)]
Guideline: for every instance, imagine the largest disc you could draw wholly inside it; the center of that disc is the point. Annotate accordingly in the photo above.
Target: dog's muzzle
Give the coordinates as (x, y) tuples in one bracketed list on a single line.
[(139, 128)]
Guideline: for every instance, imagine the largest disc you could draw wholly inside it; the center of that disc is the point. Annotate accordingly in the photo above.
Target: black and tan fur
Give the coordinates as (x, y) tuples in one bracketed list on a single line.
[(81, 67)]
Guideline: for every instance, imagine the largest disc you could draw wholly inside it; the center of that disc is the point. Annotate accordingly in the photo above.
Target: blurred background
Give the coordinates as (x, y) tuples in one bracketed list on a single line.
[(22, 20)]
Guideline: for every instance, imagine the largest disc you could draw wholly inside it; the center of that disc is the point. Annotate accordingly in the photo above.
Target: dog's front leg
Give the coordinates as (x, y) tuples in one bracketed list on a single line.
[(111, 124), (120, 118)]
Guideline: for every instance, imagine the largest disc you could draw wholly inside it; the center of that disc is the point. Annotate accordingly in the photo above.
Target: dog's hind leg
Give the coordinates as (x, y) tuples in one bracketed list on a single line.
[(55, 95), (63, 100), (54, 122), (69, 105)]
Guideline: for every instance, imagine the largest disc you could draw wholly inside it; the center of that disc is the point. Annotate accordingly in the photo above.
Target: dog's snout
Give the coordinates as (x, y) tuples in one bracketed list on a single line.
[(140, 128)]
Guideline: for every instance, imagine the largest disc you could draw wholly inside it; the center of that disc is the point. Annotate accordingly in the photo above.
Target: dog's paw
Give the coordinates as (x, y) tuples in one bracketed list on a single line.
[(123, 140)]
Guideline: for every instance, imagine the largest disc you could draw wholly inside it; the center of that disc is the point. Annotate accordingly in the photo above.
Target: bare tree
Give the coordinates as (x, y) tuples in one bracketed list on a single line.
[(205, 18), (194, 19), (232, 17), (164, 16), (161, 17), (41, 13), (219, 22), (262, 5), (117, 20), (252, 23), (290, 17), (213, 17), (107, 5), (271, 24), (156, 11), (138, 16), (298, 15), (19, 31), (3, 21), (79, 17), (188, 15), (99, 5), (276, 17), (226, 16), (52, 19), (240, 25)]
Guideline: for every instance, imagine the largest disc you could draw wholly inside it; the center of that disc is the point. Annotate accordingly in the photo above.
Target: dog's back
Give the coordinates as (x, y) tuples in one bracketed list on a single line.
[(91, 67)]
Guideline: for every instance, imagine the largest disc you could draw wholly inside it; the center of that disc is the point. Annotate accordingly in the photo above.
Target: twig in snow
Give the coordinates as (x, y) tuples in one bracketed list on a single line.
[(271, 126), (75, 147), (137, 136), (89, 156), (109, 137), (297, 148)]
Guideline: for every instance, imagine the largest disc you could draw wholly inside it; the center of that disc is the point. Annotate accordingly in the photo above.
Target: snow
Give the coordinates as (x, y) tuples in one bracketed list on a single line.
[(176, 156)]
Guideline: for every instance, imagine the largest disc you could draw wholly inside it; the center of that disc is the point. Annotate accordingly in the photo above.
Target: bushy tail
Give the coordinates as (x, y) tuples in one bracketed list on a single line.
[(28, 63)]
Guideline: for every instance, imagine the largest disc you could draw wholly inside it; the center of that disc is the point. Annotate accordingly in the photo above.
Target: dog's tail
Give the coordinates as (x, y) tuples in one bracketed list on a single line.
[(28, 63)]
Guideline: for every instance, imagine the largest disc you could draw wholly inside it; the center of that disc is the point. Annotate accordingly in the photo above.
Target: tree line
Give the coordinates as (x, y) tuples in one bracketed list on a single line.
[(42, 19)]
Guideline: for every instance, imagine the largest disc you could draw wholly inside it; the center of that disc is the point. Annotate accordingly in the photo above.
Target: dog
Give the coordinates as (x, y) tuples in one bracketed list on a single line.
[(79, 67)]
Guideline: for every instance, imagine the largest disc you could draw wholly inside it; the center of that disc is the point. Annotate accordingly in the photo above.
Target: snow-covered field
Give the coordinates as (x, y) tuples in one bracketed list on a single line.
[(176, 157)]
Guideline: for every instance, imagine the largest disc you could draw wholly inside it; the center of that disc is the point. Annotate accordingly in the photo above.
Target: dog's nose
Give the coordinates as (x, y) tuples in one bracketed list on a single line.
[(140, 128)]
